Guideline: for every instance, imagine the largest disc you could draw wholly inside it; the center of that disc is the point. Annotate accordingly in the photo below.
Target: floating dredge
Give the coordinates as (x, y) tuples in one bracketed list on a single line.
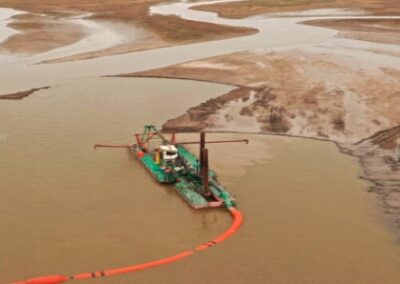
[(169, 162)]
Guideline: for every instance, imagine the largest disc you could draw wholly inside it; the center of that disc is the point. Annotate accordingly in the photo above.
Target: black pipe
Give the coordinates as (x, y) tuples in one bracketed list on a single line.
[(202, 146), (206, 185)]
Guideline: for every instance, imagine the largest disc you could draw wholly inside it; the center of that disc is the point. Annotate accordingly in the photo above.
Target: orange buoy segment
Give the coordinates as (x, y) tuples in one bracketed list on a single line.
[(58, 279), (148, 265), (53, 279), (237, 222)]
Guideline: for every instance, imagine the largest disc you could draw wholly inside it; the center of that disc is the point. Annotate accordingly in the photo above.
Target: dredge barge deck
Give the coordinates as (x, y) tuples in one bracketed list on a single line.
[(171, 162)]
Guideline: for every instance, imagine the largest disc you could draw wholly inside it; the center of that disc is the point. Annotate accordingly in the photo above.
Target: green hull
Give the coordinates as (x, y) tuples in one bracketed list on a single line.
[(189, 185), (159, 174)]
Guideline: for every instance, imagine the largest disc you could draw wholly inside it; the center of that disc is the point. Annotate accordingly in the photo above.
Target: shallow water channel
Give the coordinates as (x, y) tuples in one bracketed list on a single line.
[(67, 208)]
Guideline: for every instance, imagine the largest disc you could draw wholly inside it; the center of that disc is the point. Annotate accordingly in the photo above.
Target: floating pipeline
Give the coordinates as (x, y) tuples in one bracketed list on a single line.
[(57, 279)]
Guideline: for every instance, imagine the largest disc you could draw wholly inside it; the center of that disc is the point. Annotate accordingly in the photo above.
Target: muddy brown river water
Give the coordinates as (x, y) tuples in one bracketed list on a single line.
[(67, 208)]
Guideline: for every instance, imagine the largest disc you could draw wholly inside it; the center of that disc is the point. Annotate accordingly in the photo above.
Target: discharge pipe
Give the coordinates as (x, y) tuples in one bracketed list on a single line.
[(58, 279)]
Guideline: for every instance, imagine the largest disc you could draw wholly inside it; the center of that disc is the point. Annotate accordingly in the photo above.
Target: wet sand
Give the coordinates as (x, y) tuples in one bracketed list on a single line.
[(110, 27), (5, 15), (298, 91), (381, 31), (247, 8), (21, 95), (38, 33), (67, 208)]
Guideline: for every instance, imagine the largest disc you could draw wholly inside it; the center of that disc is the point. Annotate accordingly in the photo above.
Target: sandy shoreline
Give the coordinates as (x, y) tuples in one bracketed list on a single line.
[(381, 31), (248, 8), (33, 36), (357, 88)]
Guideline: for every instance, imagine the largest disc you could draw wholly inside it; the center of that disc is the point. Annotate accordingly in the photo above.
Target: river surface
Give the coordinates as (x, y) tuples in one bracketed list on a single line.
[(67, 208)]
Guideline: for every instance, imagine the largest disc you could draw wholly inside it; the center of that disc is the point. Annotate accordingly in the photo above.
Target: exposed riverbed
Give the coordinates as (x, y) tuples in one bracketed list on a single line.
[(274, 32), (5, 15)]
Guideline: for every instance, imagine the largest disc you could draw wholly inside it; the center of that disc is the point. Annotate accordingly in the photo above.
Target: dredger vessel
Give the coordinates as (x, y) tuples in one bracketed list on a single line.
[(170, 162)]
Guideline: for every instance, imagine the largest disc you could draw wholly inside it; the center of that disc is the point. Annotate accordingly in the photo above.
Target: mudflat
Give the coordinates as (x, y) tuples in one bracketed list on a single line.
[(44, 26), (242, 9)]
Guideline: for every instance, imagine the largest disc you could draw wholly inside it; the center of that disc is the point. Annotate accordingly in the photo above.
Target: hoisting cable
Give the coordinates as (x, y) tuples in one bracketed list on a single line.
[(57, 279)]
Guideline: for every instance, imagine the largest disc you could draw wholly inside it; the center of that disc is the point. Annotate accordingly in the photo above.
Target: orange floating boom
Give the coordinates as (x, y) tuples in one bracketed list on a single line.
[(58, 279)]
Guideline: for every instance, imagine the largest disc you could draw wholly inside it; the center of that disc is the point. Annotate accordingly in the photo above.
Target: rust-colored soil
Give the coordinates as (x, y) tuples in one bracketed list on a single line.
[(145, 40), (39, 33), (171, 32), (383, 31), (255, 7), (295, 92), (21, 95)]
